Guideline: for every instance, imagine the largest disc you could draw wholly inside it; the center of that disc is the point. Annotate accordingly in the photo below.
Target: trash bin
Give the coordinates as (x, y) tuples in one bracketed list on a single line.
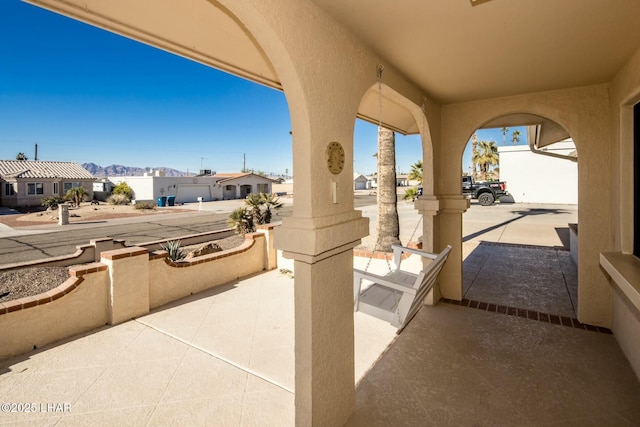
[(162, 201), (171, 200)]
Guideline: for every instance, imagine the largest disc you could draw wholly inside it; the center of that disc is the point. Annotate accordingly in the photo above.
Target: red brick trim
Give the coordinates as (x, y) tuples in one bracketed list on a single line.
[(250, 240), (56, 293)]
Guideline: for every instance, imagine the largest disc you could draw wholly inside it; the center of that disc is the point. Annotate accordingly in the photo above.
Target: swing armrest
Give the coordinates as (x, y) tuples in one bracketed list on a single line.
[(398, 248)]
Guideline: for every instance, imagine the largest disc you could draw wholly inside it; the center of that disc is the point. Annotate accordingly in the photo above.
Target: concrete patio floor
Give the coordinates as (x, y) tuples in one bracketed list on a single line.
[(221, 357), (226, 357)]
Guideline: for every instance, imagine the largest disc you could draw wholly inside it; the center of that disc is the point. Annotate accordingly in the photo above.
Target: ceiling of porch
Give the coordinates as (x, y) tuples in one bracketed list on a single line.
[(455, 50), (459, 52)]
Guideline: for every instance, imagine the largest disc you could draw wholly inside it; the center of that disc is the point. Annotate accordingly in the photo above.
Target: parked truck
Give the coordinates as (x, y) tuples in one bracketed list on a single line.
[(485, 192)]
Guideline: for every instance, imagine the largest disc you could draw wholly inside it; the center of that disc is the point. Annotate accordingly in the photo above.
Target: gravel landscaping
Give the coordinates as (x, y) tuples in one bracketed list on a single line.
[(37, 280)]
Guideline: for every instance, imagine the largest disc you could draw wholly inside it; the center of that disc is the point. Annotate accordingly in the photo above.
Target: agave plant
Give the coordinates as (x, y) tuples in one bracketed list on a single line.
[(176, 253)]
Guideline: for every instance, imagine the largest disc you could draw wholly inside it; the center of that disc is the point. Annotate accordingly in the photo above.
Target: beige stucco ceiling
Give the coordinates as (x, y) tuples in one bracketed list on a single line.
[(195, 29), (453, 50), (458, 52)]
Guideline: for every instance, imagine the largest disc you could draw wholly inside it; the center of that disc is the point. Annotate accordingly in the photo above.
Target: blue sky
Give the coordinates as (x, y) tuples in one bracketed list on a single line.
[(86, 95)]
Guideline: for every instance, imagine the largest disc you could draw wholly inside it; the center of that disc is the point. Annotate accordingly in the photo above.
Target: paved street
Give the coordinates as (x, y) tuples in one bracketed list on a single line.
[(38, 242), (506, 223)]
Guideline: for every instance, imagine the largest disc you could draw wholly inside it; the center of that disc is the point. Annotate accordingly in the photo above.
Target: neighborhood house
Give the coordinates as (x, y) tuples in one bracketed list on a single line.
[(27, 182), (155, 185)]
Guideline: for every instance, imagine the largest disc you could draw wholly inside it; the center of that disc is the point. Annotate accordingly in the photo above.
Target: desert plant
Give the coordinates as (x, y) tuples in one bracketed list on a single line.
[(269, 201), (123, 188), (410, 194), (52, 202), (173, 248), (241, 219), (76, 195), (144, 205), (118, 199)]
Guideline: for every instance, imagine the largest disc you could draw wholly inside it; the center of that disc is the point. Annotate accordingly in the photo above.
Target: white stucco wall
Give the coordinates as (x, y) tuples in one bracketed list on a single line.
[(536, 178), (152, 187)]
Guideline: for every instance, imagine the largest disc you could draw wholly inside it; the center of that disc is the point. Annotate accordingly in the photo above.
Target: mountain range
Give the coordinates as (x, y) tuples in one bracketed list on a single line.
[(120, 170)]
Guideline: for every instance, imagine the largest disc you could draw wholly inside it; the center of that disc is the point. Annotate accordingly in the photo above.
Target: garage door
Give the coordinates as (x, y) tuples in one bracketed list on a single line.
[(191, 192)]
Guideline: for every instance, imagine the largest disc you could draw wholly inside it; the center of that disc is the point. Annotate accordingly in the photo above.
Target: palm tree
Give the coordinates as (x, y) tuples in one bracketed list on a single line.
[(388, 227), (269, 201), (504, 135), (416, 171), (254, 203), (410, 194), (487, 156), (21, 156), (242, 221), (76, 195), (474, 153), (515, 137)]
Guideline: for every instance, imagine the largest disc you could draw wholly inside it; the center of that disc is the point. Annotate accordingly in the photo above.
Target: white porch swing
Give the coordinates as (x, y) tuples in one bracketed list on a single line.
[(397, 296)]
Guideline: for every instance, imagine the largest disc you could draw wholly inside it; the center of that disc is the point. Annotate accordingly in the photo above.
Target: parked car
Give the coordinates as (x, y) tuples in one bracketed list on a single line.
[(485, 192)]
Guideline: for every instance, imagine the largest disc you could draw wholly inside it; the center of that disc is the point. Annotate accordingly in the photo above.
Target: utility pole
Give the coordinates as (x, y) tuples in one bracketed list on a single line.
[(244, 162), (36, 154)]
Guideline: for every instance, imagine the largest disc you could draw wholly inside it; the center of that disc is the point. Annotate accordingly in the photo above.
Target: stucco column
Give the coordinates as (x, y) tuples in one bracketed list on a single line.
[(447, 229), (128, 283), (320, 237), (324, 345), (429, 208)]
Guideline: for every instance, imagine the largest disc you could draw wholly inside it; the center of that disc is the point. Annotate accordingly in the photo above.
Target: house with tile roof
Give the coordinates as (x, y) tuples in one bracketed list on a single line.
[(240, 185), (27, 182)]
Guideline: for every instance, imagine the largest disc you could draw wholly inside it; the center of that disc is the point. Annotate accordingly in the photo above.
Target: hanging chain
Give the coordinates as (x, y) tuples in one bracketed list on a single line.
[(380, 69)]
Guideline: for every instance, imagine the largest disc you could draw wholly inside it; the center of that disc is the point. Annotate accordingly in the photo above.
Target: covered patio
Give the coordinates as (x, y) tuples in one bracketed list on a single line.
[(225, 357), (441, 70)]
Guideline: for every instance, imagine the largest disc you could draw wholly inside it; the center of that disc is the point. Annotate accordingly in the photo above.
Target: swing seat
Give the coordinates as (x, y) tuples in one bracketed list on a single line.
[(397, 296)]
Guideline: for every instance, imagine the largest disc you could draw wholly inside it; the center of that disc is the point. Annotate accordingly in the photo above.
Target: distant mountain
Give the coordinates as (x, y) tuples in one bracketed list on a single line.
[(119, 170)]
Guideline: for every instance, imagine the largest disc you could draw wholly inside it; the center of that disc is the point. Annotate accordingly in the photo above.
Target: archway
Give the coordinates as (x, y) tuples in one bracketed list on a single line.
[(528, 236), (383, 106)]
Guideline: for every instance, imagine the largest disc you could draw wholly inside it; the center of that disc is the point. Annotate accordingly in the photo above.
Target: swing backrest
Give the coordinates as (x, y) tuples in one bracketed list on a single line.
[(423, 285)]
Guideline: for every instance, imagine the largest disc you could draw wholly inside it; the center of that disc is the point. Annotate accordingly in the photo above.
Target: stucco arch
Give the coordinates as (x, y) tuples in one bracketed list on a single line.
[(404, 110), (583, 113), (555, 131)]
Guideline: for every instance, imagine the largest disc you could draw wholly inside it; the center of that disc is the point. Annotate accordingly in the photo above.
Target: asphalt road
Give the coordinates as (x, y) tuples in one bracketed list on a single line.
[(507, 223), (30, 247)]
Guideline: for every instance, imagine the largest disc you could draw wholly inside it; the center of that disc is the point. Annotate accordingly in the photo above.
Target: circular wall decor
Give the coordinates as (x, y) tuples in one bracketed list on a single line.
[(335, 157)]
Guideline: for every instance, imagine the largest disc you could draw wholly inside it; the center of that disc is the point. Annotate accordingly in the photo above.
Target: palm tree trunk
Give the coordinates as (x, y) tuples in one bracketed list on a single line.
[(388, 227)]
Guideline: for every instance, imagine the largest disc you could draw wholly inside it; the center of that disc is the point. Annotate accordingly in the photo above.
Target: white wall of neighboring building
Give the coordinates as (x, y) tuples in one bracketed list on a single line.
[(536, 178), (185, 189)]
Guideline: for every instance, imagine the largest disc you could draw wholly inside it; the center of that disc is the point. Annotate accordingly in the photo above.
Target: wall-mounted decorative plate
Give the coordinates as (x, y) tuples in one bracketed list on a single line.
[(335, 157)]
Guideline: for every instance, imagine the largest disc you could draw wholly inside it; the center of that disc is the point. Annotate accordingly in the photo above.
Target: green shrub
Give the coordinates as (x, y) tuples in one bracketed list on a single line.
[(144, 205), (123, 188), (118, 199), (176, 253), (52, 202)]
